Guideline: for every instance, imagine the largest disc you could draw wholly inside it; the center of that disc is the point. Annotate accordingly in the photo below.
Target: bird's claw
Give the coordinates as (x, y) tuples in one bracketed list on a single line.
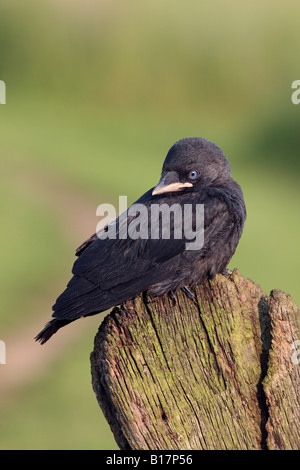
[(189, 293), (173, 298), (226, 272)]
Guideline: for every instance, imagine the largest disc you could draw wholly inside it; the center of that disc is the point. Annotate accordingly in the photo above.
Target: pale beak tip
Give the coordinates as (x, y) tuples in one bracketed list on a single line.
[(162, 188)]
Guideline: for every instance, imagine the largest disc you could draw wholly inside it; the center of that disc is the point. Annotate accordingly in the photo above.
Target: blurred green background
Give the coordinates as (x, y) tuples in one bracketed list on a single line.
[(97, 92)]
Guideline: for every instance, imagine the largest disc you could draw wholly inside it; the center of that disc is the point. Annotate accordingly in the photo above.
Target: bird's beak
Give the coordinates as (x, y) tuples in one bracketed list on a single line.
[(164, 186)]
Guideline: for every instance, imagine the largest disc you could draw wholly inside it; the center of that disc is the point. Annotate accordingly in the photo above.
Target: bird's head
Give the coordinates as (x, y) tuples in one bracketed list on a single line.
[(190, 164)]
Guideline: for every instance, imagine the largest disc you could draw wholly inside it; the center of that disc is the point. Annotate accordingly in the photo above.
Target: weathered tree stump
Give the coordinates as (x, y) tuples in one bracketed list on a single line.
[(220, 372)]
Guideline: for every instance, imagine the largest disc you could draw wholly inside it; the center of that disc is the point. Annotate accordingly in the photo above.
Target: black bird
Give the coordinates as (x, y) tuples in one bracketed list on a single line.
[(109, 271)]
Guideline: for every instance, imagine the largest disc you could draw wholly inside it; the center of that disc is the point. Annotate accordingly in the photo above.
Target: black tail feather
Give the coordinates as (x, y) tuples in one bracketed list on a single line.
[(52, 327)]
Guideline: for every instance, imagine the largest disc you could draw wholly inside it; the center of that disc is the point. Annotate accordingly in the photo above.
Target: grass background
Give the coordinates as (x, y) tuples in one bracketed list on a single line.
[(97, 92)]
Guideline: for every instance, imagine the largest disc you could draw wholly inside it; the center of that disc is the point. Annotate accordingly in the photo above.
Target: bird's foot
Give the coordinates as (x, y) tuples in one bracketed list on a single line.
[(173, 298), (226, 272), (189, 293)]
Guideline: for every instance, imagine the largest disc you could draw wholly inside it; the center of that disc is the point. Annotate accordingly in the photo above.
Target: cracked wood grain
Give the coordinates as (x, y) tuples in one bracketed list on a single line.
[(215, 373)]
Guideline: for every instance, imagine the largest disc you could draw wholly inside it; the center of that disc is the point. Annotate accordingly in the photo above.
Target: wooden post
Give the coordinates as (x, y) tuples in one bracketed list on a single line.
[(220, 372)]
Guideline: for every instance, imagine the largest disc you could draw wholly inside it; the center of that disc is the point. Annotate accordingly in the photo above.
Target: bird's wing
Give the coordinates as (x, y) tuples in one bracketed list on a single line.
[(113, 262), (85, 244), (95, 236), (109, 271)]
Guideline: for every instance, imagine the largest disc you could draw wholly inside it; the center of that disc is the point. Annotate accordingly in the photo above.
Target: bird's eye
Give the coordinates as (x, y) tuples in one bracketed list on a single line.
[(193, 174)]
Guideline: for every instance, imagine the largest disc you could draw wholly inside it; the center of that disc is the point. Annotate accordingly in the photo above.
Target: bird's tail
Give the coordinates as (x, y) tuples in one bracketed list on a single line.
[(52, 327)]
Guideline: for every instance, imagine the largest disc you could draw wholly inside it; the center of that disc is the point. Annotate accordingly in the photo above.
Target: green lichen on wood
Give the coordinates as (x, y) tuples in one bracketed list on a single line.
[(282, 382), (190, 375)]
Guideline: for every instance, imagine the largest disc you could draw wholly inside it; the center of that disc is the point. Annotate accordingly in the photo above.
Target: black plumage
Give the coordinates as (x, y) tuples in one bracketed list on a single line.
[(110, 271)]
